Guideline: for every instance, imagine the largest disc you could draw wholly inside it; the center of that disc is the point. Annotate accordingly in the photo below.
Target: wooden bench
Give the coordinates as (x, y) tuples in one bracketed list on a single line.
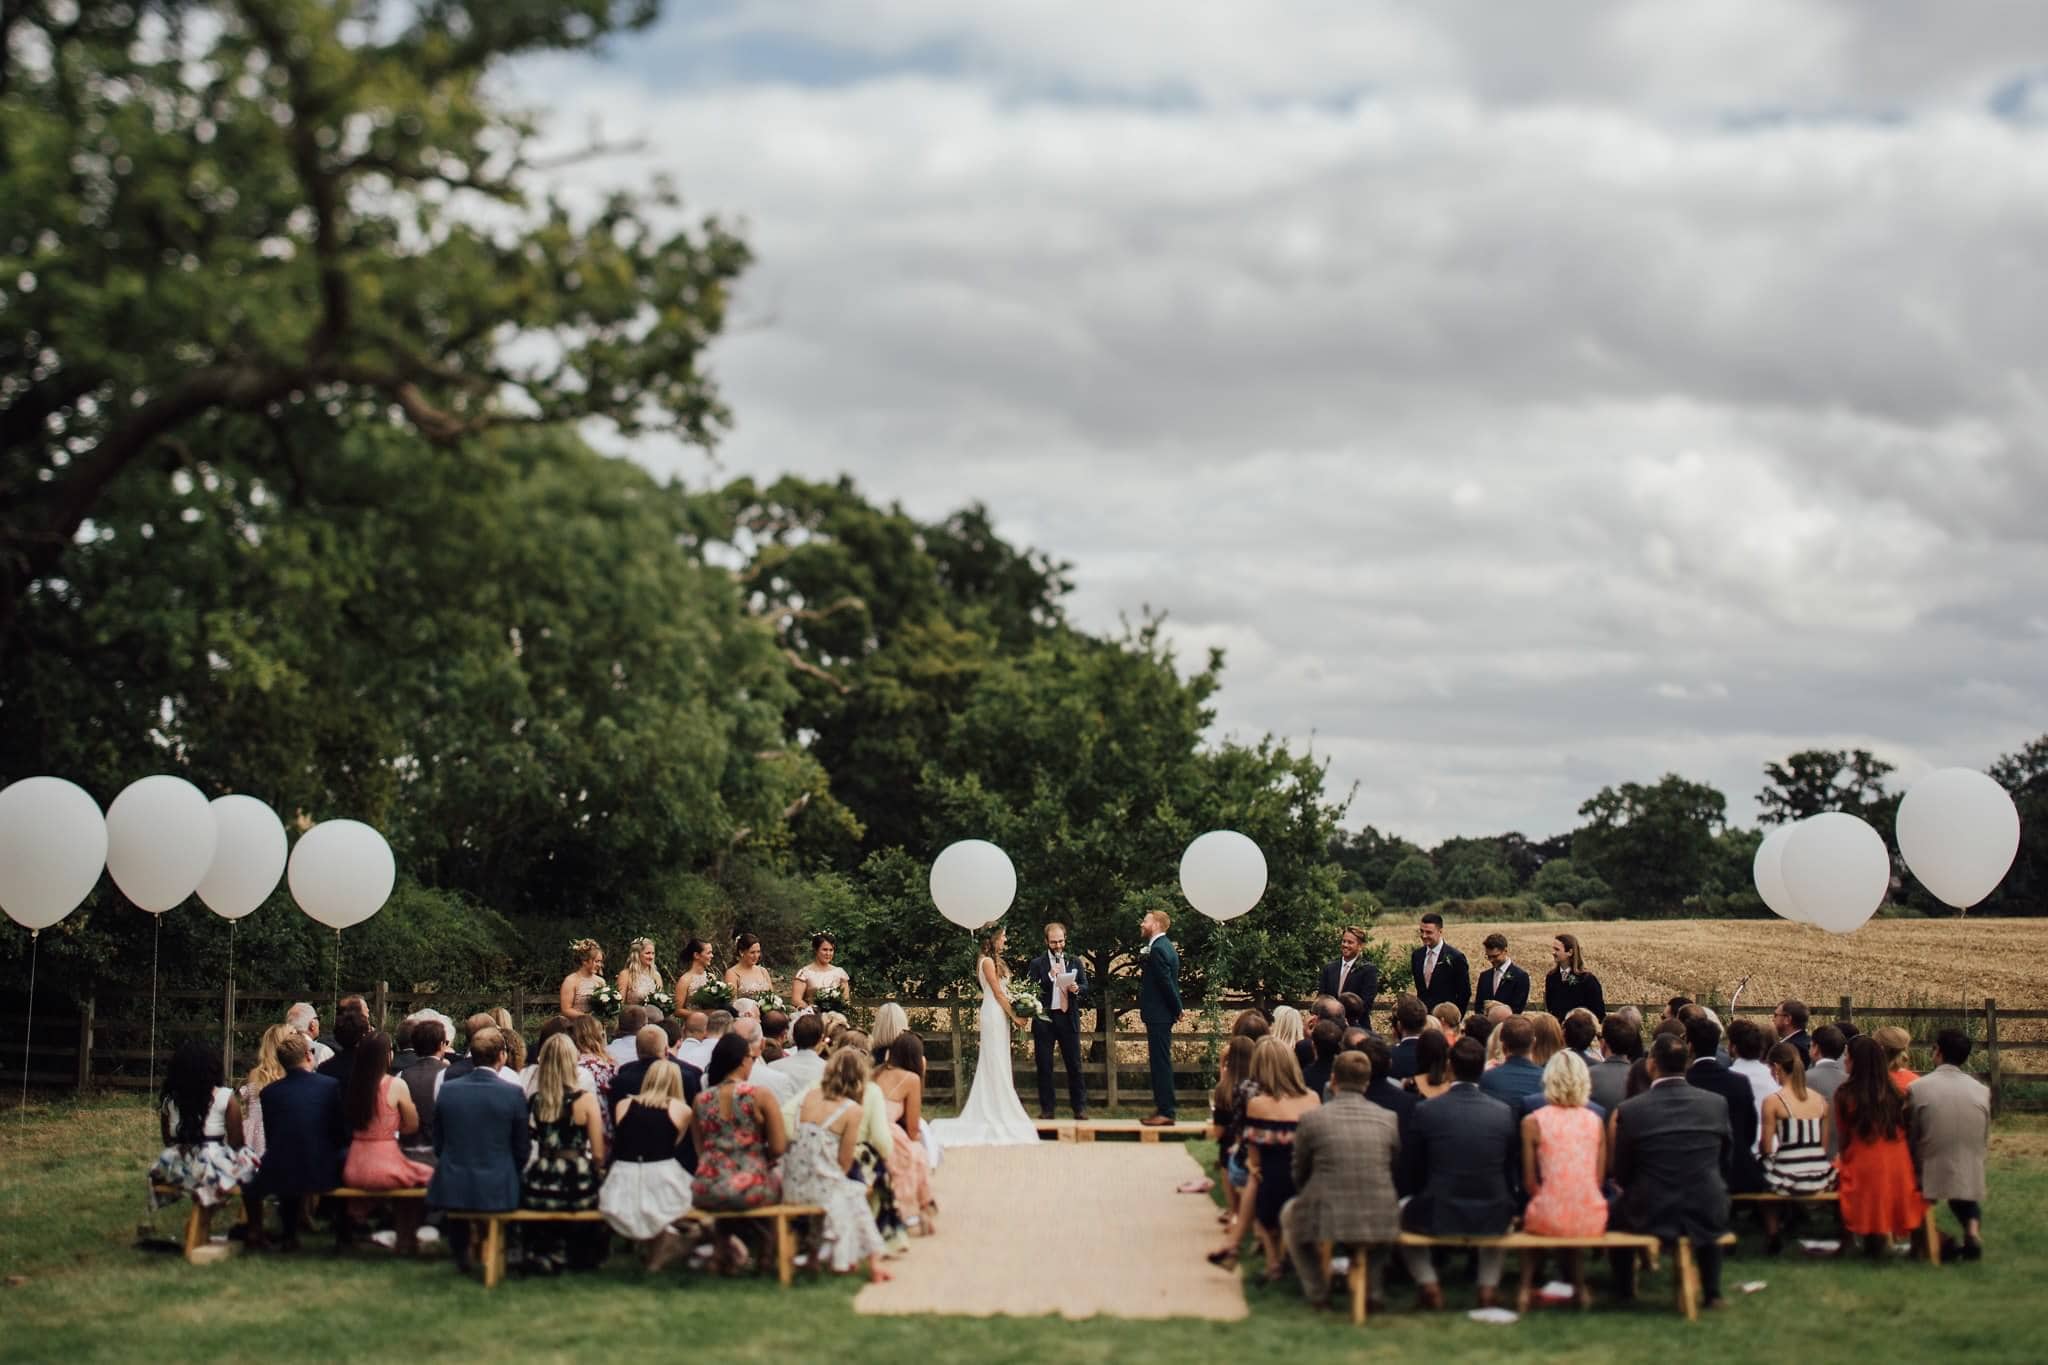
[(1926, 1238), (493, 1253), (781, 1215), (195, 1234)]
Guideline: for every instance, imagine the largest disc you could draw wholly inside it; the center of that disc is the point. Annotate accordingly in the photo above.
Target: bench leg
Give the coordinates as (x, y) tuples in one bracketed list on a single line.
[(195, 1229), (1359, 1278), (1688, 1282), (494, 1252), (1930, 1238), (785, 1251)]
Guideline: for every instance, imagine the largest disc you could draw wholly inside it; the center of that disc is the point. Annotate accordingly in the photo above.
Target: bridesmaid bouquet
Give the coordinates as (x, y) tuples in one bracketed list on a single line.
[(831, 1000), (604, 1000), (660, 1000), (713, 995), (768, 1000), (1026, 1005)]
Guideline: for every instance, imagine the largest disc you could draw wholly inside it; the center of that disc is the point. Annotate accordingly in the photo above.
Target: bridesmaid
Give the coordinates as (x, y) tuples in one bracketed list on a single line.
[(577, 985), (695, 972), (639, 978), (819, 974), (747, 976)]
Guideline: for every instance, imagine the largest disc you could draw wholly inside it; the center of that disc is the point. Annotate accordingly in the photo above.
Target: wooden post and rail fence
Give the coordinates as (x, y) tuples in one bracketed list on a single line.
[(90, 1047)]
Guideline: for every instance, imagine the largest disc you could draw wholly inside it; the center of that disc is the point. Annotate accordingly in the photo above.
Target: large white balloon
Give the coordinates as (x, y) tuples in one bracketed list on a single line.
[(341, 872), (1837, 870), (160, 839), (1223, 874), (248, 856), (53, 845), (1769, 872), (1958, 831), (973, 883)]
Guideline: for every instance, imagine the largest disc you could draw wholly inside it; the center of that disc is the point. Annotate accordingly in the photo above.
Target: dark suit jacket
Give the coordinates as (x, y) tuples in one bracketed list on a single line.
[(1745, 1175), (481, 1140), (1159, 987), (1804, 1042), (1039, 971), (1671, 1144), (1401, 1103), (1560, 998), (1513, 992), (1452, 982), (1364, 981), (1610, 1081), (336, 1067), (626, 1080), (304, 1136), (1464, 1162), (460, 1065), (693, 1085), (1513, 1079), (1402, 1064)]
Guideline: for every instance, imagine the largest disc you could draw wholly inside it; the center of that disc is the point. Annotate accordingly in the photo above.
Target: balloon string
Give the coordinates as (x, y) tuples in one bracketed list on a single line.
[(337, 976), (28, 1025), (155, 948), (231, 994)]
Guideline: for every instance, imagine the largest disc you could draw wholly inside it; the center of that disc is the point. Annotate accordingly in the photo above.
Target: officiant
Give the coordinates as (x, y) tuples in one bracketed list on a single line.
[(1061, 982)]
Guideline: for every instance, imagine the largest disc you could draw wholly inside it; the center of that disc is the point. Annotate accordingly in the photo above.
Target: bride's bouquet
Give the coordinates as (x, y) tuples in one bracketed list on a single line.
[(604, 1000), (831, 1000), (660, 1000), (713, 995), (1025, 1004)]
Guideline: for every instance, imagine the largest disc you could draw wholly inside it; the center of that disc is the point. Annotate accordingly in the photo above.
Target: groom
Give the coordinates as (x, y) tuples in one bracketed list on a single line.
[(1159, 1007), (1061, 981)]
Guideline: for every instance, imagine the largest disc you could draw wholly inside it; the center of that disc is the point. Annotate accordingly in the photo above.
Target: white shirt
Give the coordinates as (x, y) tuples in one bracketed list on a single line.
[(511, 1077), (1500, 973), (1762, 1086), (1429, 960), (780, 1084), (1152, 940), (1344, 970), (1056, 967), (804, 1069), (624, 1050), (321, 1052), (696, 1051)]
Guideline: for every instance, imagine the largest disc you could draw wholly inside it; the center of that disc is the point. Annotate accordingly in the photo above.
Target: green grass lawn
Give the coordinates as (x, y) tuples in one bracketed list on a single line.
[(71, 1181)]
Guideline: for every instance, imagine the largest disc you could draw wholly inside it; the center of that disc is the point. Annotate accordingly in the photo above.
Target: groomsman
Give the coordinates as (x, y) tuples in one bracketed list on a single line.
[(1503, 981), (1062, 982), (1442, 976), (1159, 1006), (1353, 971)]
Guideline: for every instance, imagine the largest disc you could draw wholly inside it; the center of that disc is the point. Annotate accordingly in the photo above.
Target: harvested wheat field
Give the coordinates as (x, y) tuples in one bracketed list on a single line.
[(1905, 962)]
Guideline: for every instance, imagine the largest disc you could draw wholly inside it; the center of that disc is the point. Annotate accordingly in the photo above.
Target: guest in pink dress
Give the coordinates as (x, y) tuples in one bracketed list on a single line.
[(901, 1079), (1564, 1159), (378, 1108)]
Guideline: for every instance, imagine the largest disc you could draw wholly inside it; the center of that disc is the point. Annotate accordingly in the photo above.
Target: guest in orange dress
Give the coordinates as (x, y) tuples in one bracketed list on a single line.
[(378, 1108), (1898, 1046), (1564, 1159), (1881, 1199)]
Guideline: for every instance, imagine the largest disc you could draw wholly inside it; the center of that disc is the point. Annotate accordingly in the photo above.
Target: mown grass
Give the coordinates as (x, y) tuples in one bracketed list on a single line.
[(71, 1178)]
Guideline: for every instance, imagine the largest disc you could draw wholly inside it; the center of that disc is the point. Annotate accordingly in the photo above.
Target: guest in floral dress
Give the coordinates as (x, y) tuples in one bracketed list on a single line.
[(1564, 1160), (738, 1133), (203, 1156), (827, 1134), (564, 1173)]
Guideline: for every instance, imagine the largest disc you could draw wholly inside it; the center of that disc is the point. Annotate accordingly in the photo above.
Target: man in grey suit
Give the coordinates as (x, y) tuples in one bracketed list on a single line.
[(1344, 1158), (1623, 1043), (480, 1142), (1948, 1113), (1463, 1163), (1672, 1148), (1827, 1073)]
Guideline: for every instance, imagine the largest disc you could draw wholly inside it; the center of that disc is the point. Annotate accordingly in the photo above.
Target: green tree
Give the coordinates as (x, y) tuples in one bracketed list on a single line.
[(1653, 844), (1412, 882), (1560, 882), (2025, 774), (1816, 780), (1369, 857)]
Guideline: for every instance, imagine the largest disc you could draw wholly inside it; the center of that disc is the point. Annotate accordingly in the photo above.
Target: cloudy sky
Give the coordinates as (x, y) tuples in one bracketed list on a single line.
[(1527, 398)]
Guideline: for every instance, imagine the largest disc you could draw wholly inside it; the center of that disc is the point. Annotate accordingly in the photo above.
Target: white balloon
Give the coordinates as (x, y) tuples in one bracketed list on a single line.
[(1958, 831), (1223, 874), (160, 839), (1837, 870), (53, 845), (248, 856), (973, 883), (341, 872), (1768, 870)]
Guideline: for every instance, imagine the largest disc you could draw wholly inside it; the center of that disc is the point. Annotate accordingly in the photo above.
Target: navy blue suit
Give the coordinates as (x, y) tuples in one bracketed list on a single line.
[(1512, 1079), (1745, 1174), (305, 1141), (1451, 984), (1159, 1007), (1464, 1165), (1513, 990), (480, 1144), (1058, 1030)]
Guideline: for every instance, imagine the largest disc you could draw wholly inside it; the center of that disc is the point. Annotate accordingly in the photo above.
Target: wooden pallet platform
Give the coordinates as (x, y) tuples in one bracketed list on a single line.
[(1116, 1130)]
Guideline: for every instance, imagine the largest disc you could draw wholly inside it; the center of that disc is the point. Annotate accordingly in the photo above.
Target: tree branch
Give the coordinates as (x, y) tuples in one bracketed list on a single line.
[(803, 665)]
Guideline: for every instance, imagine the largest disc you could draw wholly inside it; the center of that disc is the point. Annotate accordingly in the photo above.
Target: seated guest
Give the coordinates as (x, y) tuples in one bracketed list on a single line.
[(1475, 1027), (594, 1062), (673, 1031), (1464, 1161), (650, 1045), (774, 1034), (378, 1108), (1634, 1017), (463, 1064), (901, 1079), (1827, 1073), (1289, 1028), (1270, 1119), (1234, 1088), (1794, 1135), (1623, 1045), (822, 1154), (890, 1021), (647, 1193), (804, 1063), (1432, 1064), (1250, 1023), (738, 1133), (1354, 1039), (1564, 1161), (1546, 1038), (1746, 1046), (1343, 1164), (1898, 1046), (204, 1155), (568, 1153), (1789, 1019), (304, 1135), (1399, 1102), (1880, 1196), (481, 1140), (766, 1078), (1323, 1041), (1672, 1146), (1409, 1016), (624, 1048), (423, 1080), (306, 1020), (695, 1024), (1517, 1075), (1356, 1010), (1948, 1115), (1450, 1019), (266, 1070), (1675, 1004), (351, 1026), (697, 1049), (1581, 1033), (1703, 1035)]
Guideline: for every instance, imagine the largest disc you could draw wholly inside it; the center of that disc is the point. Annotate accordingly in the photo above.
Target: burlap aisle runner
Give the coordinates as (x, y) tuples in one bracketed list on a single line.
[(1077, 1229)]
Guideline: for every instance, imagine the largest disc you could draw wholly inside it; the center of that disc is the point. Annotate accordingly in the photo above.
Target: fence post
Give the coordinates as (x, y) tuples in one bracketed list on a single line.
[(1848, 1014), (227, 1028), (1991, 1051), (953, 1023), (518, 1007), (1108, 1021), (380, 1004), (85, 1044)]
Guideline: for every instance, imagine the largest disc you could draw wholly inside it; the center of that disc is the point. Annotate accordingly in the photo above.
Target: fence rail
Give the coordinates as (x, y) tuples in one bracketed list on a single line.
[(86, 1048)]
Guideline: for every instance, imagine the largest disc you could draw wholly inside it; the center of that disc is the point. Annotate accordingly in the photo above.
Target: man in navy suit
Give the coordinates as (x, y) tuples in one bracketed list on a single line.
[(1353, 972), (1442, 976), (1502, 980), (1790, 1020), (1516, 1076), (304, 1137), (1060, 1026), (1745, 1175), (1411, 1016), (1159, 1007), (480, 1142), (1464, 1164)]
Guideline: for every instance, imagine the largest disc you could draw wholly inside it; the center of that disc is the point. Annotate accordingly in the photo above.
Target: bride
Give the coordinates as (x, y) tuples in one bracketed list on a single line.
[(993, 1116)]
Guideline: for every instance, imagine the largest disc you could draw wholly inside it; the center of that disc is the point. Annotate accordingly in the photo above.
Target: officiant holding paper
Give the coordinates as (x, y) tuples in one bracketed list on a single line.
[(1061, 982)]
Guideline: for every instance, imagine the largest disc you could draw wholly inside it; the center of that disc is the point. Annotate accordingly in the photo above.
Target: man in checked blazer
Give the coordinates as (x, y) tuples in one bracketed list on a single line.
[(1344, 1156)]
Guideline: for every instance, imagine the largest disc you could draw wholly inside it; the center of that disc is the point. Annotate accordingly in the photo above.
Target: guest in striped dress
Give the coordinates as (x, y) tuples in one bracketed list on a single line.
[(1795, 1134)]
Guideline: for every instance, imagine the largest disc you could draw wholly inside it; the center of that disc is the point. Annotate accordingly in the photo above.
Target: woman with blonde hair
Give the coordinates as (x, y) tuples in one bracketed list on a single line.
[(1549, 1037), (1898, 1054), (1269, 1123), (648, 1191), (1564, 1159), (891, 1023), (821, 1156), (589, 974), (1287, 1026), (567, 1126), (639, 978), (266, 1070), (1450, 1019)]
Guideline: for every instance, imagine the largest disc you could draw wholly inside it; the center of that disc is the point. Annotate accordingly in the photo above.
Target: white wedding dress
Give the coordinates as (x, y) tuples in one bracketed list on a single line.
[(993, 1116)]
